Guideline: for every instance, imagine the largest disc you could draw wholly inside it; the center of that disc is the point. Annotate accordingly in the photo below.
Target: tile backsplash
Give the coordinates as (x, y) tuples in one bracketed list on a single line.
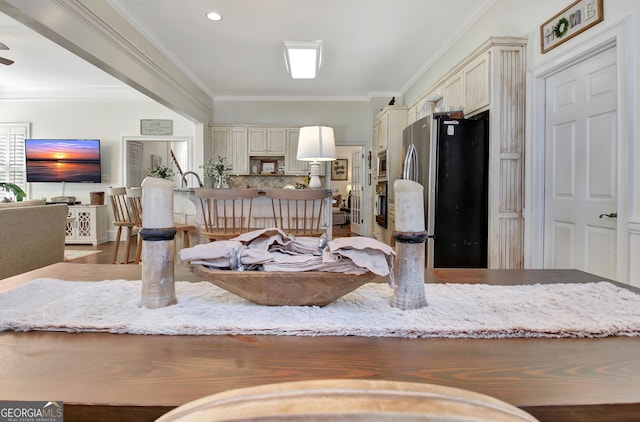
[(266, 182)]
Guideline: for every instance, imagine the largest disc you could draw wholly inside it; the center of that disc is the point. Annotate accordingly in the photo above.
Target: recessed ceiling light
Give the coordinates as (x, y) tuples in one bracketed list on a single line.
[(213, 16)]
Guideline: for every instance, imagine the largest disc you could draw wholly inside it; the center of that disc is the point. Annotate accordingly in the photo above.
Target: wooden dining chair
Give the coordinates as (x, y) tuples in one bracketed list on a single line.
[(225, 213), (134, 196), (298, 211), (122, 218)]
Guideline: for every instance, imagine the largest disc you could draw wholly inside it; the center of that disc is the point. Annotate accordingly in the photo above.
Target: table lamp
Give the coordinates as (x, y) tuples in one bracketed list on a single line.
[(315, 144)]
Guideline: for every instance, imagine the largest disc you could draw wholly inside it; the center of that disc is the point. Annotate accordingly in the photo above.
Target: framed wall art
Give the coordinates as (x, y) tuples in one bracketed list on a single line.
[(268, 167), (574, 19), (156, 127), (339, 169)]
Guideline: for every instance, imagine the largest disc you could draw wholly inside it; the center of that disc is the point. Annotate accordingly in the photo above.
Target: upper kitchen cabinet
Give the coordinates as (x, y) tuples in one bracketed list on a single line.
[(292, 165), (469, 87), (476, 83), (387, 129), (231, 143), (267, 142), (426, 104), (453, 91)]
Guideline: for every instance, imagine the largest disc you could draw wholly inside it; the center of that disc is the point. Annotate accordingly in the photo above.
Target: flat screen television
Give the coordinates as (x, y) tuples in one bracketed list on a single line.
[(63, 160)]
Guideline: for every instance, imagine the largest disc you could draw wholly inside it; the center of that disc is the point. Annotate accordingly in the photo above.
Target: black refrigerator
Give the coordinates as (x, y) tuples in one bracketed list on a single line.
[(449, 157)]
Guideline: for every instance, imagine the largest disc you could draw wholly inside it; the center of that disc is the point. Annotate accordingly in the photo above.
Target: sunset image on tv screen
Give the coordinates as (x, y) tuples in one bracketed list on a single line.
[(63, 160)]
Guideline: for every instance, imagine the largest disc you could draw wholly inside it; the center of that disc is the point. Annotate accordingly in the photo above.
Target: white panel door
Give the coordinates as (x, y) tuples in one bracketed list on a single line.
[(136, 163), (581, 167)]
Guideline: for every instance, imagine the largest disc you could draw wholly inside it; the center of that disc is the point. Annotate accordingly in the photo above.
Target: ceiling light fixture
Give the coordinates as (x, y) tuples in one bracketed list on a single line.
[(213, 16), (303, 58)]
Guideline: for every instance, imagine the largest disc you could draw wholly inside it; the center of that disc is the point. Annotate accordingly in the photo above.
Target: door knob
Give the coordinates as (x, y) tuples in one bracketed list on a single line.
[(610, 215)]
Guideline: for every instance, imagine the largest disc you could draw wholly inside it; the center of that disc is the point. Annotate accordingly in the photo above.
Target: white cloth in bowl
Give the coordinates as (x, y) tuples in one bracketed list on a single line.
[(274, 250)]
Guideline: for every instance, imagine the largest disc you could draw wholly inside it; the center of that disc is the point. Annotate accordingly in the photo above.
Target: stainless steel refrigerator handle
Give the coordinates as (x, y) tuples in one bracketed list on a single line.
[(411, 164)]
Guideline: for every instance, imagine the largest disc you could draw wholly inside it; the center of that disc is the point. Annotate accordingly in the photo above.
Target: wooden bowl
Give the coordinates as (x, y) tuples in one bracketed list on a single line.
[(347, 400), (277, 288)]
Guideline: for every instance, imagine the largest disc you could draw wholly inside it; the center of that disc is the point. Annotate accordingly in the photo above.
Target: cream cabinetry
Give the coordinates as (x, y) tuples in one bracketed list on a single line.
[(426, 105), (231, 142), (242, 143), (87, 224), (381, 130), (469, 87), (267, 142), (390, 122), (387, 139), (493, 78), (476, 83), (387, 129), (453, 91), (385, 235), (292, 165)]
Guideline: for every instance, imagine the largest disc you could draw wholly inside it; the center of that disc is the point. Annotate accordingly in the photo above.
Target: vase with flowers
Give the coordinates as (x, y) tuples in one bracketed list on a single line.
[(218, 170), (161, 172)]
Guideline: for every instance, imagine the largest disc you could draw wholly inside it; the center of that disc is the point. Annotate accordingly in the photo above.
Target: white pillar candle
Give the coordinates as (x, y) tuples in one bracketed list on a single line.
[(157, 203), (409, 200)]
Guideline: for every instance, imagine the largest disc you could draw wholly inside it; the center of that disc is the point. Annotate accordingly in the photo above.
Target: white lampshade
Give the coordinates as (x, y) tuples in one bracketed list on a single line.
[(316, 143)]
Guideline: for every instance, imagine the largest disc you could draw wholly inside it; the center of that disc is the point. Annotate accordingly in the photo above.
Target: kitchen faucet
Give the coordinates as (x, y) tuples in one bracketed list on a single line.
[(184, 178)]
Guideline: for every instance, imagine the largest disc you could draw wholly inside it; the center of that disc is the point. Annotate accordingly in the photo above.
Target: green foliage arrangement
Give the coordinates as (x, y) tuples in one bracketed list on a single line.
[(161, 172), (15, 189), (217, 168)]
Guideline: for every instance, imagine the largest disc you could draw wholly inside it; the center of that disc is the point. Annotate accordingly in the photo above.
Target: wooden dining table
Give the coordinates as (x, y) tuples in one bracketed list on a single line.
[(104, 377)]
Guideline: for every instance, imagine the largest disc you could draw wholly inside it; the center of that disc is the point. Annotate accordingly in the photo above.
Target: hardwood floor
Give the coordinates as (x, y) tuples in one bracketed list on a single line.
[(342, 231), (106, 252)]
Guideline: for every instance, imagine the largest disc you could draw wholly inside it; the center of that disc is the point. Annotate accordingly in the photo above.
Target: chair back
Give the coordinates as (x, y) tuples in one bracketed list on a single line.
[(134, 195), (121, 212), (226, 213), (298, 211), (122, 218)]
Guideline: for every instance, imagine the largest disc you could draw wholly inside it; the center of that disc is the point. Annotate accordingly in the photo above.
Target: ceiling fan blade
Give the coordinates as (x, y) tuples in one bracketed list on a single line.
[(3, 46), (6, 61)]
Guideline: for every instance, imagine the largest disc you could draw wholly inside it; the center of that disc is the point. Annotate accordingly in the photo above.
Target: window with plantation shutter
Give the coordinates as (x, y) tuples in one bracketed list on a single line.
[(12, 163)]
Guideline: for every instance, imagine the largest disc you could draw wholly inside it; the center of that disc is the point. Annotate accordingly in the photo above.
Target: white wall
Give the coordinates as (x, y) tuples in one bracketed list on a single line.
[(107, 121)]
